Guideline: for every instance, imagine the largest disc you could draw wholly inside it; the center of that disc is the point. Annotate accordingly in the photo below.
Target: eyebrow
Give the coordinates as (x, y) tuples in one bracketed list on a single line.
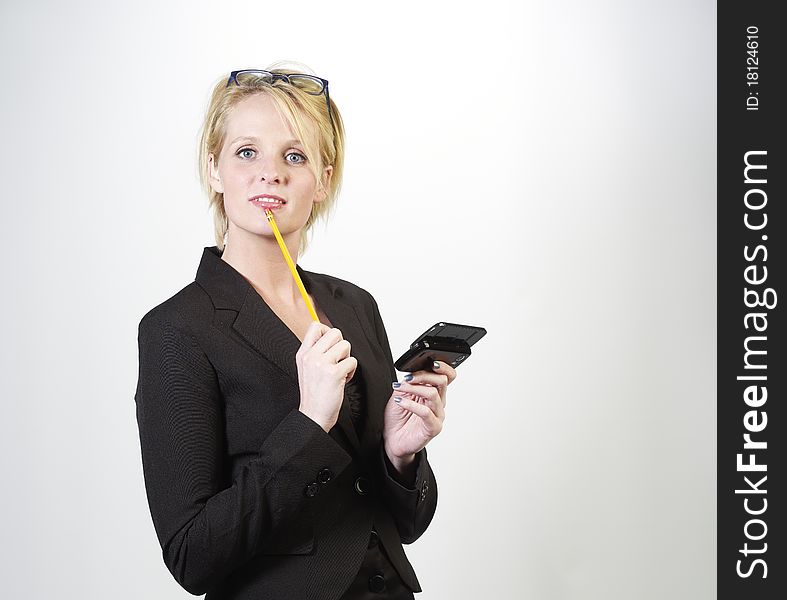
[(246, 138)]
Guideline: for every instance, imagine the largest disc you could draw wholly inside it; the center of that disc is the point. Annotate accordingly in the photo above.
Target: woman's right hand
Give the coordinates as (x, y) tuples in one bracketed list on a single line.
[(324, 366)]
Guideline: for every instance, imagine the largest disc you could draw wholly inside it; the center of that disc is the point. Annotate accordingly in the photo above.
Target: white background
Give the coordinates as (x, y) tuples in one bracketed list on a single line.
[(545, 169)]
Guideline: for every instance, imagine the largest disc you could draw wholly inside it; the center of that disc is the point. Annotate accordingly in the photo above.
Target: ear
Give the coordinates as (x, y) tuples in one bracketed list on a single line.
[(326, 181), (213, 175)]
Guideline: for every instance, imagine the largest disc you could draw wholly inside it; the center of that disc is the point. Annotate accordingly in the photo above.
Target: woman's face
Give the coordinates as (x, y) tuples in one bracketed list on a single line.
[(263, 160)]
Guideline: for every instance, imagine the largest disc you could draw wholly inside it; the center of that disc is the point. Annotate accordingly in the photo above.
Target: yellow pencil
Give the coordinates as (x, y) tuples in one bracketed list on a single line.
[(290, 264)]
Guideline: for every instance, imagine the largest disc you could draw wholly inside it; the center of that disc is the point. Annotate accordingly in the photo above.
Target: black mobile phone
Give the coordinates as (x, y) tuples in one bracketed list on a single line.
[(448, 342)]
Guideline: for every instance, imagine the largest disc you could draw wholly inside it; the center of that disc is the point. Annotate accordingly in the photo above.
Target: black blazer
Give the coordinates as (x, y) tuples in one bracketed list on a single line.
[(250, 498)]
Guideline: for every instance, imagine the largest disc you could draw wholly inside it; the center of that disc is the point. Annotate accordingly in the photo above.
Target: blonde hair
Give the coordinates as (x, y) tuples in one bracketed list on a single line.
[(303, 112)]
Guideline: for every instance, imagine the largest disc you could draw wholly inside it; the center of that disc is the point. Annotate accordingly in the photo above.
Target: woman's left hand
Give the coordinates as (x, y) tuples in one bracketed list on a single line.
[(409, 424)]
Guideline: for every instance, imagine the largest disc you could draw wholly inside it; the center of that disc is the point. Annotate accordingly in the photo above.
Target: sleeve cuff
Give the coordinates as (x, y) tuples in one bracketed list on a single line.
[(393, 478), (304, 458)]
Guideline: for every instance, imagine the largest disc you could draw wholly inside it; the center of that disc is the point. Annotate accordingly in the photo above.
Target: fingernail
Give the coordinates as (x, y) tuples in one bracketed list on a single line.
[(408, 377), (396, 384), (435, 365), (398, 399)]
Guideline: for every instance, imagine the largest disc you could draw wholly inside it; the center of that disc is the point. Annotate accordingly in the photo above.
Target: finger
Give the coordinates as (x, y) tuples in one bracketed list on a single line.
[(430, 419), (430, 394), (313, 333), (444, 368), (327, 341), (348, 366), (440, 381), (427, 377), (338, 351)]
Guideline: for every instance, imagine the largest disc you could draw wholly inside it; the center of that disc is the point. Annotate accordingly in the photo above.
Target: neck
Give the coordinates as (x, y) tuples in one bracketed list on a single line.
[(259, 259)]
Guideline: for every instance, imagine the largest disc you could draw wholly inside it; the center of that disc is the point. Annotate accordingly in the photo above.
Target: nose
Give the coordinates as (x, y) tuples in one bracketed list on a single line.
[(270, 172)]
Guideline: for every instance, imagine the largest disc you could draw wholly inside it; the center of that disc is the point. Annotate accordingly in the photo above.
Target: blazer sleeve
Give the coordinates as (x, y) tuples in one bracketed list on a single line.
[(412, 506), (207, 525)]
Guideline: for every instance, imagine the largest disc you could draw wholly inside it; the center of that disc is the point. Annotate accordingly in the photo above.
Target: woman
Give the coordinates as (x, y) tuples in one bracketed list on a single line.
[(278, 461)]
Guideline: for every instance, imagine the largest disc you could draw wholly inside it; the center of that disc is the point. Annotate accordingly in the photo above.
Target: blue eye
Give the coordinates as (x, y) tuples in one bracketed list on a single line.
[(295, 158), (242, 153)]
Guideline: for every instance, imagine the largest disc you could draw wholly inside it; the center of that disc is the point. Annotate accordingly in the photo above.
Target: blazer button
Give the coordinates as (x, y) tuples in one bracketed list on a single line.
[(373, 539), (324, 476), (311, 490), (376, 583), (362, 486)]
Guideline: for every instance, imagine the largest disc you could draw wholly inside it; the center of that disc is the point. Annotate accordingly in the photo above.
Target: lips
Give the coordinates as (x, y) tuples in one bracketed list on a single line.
[(268, 201)]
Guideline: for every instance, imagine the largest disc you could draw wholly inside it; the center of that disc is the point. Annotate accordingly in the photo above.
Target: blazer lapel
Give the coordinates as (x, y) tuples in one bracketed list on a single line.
[(329, 299), (374, 373), (255, 322), (266, 333)]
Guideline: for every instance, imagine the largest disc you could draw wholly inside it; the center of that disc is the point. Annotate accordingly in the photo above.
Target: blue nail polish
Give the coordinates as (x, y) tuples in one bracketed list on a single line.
[(396, 384), (397, 399), (408, 377), (435, 365)]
